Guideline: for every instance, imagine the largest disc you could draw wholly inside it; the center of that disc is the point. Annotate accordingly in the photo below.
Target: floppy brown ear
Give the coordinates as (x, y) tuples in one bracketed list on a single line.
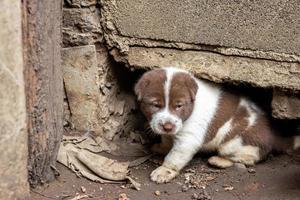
[(193, 87), (140, 87)]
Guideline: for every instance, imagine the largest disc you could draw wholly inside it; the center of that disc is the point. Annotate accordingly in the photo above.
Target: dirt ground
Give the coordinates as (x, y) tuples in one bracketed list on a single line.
[(277, 178)]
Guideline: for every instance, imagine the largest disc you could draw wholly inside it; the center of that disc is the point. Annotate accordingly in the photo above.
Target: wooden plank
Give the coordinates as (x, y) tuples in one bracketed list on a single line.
[(44, 85), (13, 134)]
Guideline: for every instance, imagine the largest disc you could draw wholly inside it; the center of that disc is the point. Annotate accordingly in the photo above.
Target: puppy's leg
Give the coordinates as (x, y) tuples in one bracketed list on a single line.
[(247, 155), (220, 162), (184, 148), (235, 151), (164, 147)]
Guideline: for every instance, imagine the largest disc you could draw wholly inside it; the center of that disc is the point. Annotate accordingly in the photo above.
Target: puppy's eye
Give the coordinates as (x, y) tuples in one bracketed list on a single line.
[(178, 106), (156, 104)]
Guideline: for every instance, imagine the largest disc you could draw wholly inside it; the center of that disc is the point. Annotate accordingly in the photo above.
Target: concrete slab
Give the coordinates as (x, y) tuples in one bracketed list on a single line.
[(256, 25), (217, 67)]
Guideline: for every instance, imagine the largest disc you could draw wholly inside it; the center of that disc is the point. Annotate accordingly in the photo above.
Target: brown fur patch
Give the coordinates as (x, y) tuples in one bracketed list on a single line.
[(259, 134), (150, 92), (227, 107), (182, 95)]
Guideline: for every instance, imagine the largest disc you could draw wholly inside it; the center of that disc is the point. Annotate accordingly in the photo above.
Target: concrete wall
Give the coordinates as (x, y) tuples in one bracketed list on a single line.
[(13, 133), (261, 25), (253, 42)]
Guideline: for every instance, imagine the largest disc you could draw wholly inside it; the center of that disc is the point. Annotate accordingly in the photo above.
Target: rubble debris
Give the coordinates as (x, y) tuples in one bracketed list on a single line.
[(83, 189), (203, 195), (157, 193), (184, 188), (80, 3), (198, 179), (252, 171), (80, 196), (134, 184), (123, 196), (228, 187)]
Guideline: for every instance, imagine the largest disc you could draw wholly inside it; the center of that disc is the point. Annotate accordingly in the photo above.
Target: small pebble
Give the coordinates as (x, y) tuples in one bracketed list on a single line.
[(251, 171), (190, 171), (228, 188), (123, 196), (157, 193), (83, 189), (195, 196), (184, 188)]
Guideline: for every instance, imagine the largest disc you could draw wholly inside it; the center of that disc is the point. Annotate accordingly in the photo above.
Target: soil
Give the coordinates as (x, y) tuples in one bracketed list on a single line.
[(277, 178)]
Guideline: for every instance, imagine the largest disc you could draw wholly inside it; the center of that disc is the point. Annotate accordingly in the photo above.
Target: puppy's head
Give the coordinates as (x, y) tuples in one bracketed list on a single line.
[(166, 97)]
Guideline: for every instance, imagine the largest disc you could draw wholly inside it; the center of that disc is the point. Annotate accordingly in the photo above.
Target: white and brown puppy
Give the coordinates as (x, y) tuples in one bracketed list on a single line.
[(192, 115)]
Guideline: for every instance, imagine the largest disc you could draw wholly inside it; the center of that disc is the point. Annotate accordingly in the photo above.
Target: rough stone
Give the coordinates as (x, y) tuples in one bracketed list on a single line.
[(285, 105), (116, 97), (254, 25), (81, 26), (93, 87), (81, 83), (80, 3), (13, 140), (216, 67)]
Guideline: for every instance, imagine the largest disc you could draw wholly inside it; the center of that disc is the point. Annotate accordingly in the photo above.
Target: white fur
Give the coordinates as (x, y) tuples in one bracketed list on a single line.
[(191, 136), (237, 152), (222, 132), (252, 110), (296, 142)]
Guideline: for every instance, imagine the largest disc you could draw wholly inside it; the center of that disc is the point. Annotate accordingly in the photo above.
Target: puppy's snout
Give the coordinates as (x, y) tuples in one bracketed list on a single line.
[(168, 127)]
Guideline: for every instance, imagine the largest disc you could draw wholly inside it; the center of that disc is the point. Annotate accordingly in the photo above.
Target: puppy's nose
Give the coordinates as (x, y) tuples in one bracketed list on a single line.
[(168, 126)]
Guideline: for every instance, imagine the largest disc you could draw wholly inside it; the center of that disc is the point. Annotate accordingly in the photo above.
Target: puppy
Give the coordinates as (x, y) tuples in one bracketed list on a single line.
[(192, 115)]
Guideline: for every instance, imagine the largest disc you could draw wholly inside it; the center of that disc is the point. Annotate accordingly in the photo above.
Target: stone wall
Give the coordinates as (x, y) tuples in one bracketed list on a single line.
[(99, 94), (13, 133)]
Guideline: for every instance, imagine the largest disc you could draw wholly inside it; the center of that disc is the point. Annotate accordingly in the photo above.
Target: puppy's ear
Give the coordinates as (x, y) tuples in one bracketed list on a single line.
[(140, 86), (193, 87)]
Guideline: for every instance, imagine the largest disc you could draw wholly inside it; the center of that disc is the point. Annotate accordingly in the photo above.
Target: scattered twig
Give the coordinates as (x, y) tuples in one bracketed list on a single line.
[(43, 195), (135, 184), (81, 196), (139, 161), (56, 171)]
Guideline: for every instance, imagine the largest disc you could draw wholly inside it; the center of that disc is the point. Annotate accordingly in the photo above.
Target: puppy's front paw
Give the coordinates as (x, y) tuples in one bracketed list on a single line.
[(163, 174)]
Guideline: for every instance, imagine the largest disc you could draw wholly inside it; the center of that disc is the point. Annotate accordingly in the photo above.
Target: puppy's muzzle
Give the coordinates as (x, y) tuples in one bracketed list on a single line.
[(167, 127)]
